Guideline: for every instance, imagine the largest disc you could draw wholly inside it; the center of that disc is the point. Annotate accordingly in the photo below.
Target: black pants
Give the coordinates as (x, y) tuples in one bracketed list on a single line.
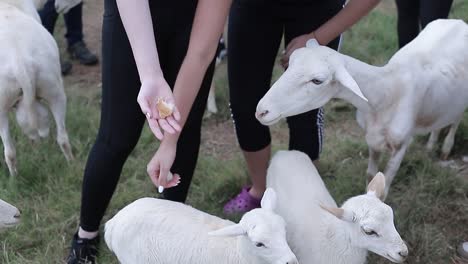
[(73, 21), (256, 28), (121, 117), (416, 14)]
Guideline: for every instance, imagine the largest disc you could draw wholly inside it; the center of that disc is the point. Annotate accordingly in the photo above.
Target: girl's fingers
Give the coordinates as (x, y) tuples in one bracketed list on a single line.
[(176, 114), (174, 182), (173, 123), (162, 180), (154, 126), (166, 127), (153, 172)]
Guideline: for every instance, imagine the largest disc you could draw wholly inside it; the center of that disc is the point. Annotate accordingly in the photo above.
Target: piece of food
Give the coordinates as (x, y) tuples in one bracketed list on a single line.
[(165, 109)]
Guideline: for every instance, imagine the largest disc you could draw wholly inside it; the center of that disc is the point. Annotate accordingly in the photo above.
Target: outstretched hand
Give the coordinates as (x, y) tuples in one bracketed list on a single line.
[(159, 167), (296, 43), (149, 93)]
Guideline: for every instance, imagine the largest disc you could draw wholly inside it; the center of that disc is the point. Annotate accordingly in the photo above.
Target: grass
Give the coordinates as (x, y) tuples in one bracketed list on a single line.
[(430, 202)]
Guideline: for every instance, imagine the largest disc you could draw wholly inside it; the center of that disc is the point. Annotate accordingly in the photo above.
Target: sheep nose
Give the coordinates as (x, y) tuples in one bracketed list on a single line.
[(261, 114), (18, 214), (292, 261), (403, 253)]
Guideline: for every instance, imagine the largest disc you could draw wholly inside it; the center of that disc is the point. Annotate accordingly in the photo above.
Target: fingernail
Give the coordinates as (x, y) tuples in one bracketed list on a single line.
[(160, 189), (148, 115)]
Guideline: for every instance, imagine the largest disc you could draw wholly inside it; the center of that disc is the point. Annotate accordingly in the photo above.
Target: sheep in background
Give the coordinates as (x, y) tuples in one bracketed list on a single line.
[(424, 87), (156, 231), (321, 233), (9, 215), (30, 78)]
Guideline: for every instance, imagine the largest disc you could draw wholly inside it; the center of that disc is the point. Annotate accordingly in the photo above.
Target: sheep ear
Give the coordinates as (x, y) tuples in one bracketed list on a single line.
[(340, 213), (377, 186), (232, 230), (311, 43), (342, 75), (269, 199)]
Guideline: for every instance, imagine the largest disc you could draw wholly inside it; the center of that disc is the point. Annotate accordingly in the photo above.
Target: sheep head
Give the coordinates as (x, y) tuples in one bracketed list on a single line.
[(371, 222), (264, 232), (315, 75), (9, 215)]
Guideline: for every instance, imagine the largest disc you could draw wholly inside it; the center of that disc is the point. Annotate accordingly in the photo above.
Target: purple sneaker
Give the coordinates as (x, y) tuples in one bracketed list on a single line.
[(242, 203)]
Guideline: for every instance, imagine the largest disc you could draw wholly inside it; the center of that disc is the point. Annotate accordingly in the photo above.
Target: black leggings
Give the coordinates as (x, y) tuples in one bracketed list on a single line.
[(416, 14), (121, 118), (256, 28)]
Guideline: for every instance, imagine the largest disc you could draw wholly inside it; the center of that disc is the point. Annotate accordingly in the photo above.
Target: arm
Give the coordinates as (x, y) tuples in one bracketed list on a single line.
[(207, 27), (353, 11), (136, 18)]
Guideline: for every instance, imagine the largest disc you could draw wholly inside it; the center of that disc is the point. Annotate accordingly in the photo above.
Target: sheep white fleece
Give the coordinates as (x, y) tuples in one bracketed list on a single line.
[(317, 236), (423, 88), (152, 230), (9, 215), (30, 78)]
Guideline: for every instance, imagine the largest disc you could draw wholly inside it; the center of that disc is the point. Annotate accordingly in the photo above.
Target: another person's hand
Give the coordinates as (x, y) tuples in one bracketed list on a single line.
[(296, 43), (159, 167), (63, 6), (149, 93)]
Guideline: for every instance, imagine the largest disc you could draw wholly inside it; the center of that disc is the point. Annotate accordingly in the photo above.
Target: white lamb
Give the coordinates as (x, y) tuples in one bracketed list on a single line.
[(159, 231), (321, 233), (9, 215), (423, 88), (30, 78)]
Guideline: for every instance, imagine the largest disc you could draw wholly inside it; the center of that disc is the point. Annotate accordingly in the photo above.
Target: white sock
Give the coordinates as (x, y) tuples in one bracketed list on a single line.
[(86, 235)]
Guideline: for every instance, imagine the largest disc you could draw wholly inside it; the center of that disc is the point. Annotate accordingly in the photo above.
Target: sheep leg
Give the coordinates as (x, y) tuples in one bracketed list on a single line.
[(432, 140), (9, 147), (449, 139), (394, 164), (58, 108), (373, 165)]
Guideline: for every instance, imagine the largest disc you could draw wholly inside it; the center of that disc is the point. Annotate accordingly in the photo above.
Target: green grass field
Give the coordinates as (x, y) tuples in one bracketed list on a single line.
[(430, 202)]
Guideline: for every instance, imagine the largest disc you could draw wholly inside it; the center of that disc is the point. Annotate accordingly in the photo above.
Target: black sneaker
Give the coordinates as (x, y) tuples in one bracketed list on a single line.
[(81, 52), (83, 251), (66, 67)]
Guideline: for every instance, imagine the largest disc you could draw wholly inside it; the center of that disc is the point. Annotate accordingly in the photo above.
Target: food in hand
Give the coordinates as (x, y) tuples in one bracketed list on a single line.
[(165, 109)]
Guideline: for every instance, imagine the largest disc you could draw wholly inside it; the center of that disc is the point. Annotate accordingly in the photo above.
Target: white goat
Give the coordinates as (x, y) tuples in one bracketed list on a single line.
[(30, 78), (9, 215), (423, 88), (159, 231), (334, 235)]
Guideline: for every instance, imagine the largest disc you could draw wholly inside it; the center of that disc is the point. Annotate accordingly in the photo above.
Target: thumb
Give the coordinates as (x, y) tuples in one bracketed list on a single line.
[(153, 172), (163, 174)]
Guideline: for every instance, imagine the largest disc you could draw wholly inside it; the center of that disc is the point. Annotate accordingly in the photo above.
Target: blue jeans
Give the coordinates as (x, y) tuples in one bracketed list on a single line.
[(73, 21)]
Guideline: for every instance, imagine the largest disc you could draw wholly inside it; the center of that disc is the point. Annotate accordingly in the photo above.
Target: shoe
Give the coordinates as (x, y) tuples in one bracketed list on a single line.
[(66, 67), (83, 251), (463, 250), (242, 203), (81, 52)]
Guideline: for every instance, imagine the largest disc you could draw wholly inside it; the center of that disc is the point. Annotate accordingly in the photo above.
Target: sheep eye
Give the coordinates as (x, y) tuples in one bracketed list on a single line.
[(316, 81), (370, 232), (259, 244)]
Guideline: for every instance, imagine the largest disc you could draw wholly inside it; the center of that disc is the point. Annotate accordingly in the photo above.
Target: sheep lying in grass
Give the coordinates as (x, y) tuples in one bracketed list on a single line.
[(424, 87), (321, 233), (159, 231), (30, 78), (9, 215)]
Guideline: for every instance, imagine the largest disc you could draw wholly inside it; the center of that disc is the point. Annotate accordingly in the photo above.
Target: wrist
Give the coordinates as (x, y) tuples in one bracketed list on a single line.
[(313, 35), (155, 78), (170, 140)]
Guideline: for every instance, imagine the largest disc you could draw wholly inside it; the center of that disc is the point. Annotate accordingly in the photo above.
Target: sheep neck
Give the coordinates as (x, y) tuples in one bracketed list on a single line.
[(339, 245), (369, 79)]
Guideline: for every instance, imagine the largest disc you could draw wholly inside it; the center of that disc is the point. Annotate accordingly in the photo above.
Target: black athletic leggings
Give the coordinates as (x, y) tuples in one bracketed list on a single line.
[(256, 28), (121, 117), (416, 14)]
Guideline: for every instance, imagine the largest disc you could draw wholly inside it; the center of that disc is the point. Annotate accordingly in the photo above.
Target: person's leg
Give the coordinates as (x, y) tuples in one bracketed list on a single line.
[(76, 45), (254, 38), (431, 10), (49, 16), (408, 25), (306, 130)]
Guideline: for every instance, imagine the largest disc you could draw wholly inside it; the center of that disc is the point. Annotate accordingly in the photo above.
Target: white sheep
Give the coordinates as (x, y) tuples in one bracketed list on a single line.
[(321, 233), (30, 78), (424, 87), (9, 215), (158, 231)]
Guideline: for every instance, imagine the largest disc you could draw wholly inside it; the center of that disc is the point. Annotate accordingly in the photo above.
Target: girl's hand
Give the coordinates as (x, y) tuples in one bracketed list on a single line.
[(296, 43), (149, 93), (159, 167)]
